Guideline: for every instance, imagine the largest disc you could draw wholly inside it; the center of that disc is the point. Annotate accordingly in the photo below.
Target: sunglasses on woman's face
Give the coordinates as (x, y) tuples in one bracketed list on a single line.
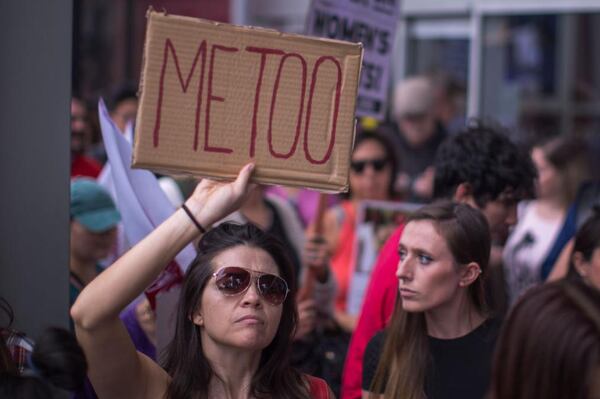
[(377, 164), (233, 280)]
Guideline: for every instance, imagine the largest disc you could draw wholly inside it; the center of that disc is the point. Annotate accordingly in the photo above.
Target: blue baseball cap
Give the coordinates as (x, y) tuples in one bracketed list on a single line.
[(92, 206)]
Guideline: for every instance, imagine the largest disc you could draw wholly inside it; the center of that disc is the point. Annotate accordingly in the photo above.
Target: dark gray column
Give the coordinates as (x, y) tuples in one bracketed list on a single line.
[(35, 85)]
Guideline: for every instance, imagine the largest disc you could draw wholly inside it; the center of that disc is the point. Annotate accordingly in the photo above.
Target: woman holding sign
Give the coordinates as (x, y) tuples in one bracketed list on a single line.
[(372, 176), (440, 340), (235, 320)]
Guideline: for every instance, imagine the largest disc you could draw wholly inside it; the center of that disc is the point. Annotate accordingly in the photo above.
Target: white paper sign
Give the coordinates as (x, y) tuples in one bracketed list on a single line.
[(371, 22)]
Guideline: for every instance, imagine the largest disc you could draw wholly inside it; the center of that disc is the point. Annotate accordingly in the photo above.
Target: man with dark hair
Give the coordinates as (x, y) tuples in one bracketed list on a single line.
[(482, 167), (479, 166)]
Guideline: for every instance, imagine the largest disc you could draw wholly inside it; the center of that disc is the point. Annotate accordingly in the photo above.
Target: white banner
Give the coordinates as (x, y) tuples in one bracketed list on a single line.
[(142, 203)]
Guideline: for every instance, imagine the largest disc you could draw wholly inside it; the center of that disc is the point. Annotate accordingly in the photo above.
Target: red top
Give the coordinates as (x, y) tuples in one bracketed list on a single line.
[(84, 166), (376, 312), (342, 261), (318, 388)]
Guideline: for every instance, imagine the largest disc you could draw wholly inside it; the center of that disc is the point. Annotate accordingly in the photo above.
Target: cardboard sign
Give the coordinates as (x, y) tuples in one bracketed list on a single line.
[(371, 22), (215, 96)]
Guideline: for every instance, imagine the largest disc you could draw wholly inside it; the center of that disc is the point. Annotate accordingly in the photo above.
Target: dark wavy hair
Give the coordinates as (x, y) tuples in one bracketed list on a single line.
[(401, 369), (483, 156), (549, 346), (185, 360)]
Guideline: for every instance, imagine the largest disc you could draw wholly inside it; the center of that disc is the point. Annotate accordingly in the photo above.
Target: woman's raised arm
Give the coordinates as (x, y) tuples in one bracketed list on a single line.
[(116, 369)]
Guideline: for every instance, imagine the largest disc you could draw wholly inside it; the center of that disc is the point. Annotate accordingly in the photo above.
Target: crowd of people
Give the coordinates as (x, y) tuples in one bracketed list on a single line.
[(489, 289)]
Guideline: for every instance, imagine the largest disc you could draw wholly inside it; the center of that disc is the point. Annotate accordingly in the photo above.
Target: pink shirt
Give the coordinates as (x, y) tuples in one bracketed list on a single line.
[(377, 309)]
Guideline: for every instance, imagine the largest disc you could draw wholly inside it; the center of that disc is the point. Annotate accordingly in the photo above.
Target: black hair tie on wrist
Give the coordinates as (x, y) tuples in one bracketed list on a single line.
[(189, 213)]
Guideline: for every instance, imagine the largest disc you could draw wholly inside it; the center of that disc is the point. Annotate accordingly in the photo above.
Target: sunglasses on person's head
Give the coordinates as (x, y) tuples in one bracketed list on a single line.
[(233, 280), (377, 164)]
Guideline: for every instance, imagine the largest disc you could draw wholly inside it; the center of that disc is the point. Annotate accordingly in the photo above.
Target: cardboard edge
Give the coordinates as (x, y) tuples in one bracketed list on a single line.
[(141, 85), (144, 53), (346, 188), (152, 15), (353, 140), (228, 177), (157, 14)]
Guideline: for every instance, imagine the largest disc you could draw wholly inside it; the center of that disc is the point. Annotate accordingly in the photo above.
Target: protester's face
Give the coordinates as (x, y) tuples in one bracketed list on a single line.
[(79, 127), (124, 113), (417, 129), (549, 182), (590, 270), (244, 321), (501, 214), (370, 171), (89, 246), (428, 277)]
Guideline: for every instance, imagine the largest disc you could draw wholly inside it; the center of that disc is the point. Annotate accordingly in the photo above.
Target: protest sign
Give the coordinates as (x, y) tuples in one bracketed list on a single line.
[(216, 96), (376, 220), (371, 22)]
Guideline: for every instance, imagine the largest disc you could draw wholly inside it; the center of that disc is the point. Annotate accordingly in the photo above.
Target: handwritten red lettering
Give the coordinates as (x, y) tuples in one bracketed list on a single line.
[(338, 88), (201, 55), (184, 85), (211, 97), (263, 60), (274, 97)]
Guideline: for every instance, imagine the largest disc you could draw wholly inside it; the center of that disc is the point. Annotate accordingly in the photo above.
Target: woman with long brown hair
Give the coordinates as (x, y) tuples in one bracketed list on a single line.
[(549, 347), (373, 168), (547, 223), (440, 339), (235, 319)]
